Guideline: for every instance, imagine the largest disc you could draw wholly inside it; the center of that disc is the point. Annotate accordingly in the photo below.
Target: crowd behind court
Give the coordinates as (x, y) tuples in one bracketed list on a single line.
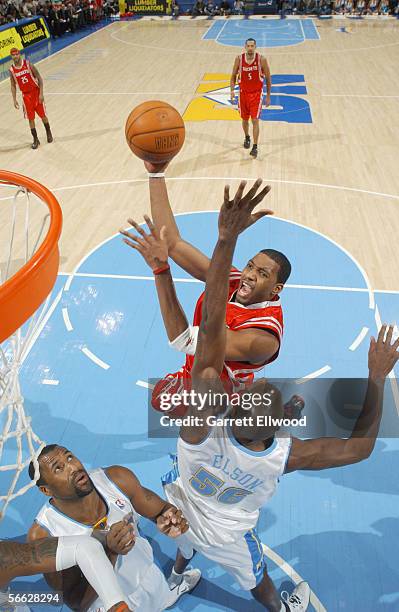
[(62, 17), (297, 7), (69, 16)]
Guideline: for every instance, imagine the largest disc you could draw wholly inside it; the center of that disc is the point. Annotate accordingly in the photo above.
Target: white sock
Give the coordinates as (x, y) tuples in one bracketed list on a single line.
[(95, 565), (174, 578)]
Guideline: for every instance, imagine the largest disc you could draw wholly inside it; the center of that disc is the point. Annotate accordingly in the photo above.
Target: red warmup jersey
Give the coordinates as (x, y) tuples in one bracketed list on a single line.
[(265, 315), (250, 76), (24, 77)]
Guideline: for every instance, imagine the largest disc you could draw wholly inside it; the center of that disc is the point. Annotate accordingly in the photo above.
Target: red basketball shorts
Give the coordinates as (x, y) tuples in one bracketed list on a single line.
[(250, 104), (32, 105)]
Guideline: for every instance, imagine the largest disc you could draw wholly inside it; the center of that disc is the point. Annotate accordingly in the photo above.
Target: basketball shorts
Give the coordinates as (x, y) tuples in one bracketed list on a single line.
[(243, 559), (32, 105), (250, 104), (239, 554)]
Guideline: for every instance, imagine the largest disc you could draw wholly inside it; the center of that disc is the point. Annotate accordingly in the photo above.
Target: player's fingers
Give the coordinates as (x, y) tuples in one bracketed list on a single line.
[(258, 198), (239, 192), (137, 227), (133, 246), (226, 195), (252, 192), (381, 334), (389, 335), (259, 214), (150, 226), (396, 344)]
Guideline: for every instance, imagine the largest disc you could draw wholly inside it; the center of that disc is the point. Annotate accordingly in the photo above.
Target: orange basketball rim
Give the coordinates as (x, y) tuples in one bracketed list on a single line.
[(23, 293)]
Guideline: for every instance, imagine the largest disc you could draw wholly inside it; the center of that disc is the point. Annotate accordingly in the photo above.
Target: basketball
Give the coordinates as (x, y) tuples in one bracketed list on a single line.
[(155, 131)]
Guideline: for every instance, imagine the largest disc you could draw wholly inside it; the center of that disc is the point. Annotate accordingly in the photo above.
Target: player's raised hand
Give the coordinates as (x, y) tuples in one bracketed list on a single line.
[(152, 247), (121, 538), (383, 354), (172, 523), (236, 214)]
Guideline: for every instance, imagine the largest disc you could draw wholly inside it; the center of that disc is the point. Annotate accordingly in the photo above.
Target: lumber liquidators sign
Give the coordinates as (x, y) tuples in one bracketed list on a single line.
[(147, 7), (33, 32), (22, 35)]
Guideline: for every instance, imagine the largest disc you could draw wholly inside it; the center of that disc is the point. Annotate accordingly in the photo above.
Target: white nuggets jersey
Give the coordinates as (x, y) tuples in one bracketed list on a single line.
[(220, 485), (139, 577)]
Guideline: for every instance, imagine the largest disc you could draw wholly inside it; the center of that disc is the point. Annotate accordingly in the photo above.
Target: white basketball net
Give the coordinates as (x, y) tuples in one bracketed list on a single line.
[(22, 215)]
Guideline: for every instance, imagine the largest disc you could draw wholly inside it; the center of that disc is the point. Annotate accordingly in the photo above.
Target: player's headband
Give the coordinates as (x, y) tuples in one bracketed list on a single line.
[(14, 51)]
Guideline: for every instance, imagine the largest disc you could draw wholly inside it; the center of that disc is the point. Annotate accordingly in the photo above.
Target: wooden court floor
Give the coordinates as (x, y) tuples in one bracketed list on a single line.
[(338, 174)]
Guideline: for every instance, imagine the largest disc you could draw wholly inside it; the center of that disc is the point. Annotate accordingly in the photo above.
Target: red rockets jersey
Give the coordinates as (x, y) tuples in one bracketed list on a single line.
[(24, 77), (265, 315), (250, 76)]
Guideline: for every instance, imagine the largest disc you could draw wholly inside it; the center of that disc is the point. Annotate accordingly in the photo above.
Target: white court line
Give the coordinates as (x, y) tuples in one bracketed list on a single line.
[(195, 280), (49, 381), (67, 320), (391, 375), (295, 577), (312, 375), (359, 339), (347, 253), (94, 358), (232, 178), (354, 96), (146, 385), (115, 93)]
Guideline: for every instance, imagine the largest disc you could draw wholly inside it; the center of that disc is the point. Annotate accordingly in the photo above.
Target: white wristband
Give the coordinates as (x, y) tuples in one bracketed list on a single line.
[(156, 175)]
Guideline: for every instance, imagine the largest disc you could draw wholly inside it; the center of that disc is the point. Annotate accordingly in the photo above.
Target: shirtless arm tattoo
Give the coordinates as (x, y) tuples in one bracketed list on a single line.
[(14, 555)]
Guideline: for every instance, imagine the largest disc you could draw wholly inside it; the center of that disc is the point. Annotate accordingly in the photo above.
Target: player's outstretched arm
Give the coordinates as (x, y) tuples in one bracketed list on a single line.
[(49, 554), (154, 250), (168, 518), (235, 216), (325, 453), (183, 253)]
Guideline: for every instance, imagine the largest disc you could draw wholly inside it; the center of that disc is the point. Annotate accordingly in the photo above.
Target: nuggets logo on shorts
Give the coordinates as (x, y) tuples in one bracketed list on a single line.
[(215, 104)]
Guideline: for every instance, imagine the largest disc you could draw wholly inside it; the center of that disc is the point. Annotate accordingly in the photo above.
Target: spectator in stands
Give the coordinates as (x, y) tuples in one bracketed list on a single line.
[(175, 9), (210, 9), (198, 8), (383, 9), (238, 7), (224, 8), (373, 7), (361, 7)]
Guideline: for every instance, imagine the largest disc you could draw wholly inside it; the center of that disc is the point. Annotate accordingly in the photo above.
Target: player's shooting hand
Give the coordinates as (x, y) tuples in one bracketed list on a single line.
[(172, 523), (153, 247), (156, 167), (383, 354), (236, 214), (121, 538), (16, 105)]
